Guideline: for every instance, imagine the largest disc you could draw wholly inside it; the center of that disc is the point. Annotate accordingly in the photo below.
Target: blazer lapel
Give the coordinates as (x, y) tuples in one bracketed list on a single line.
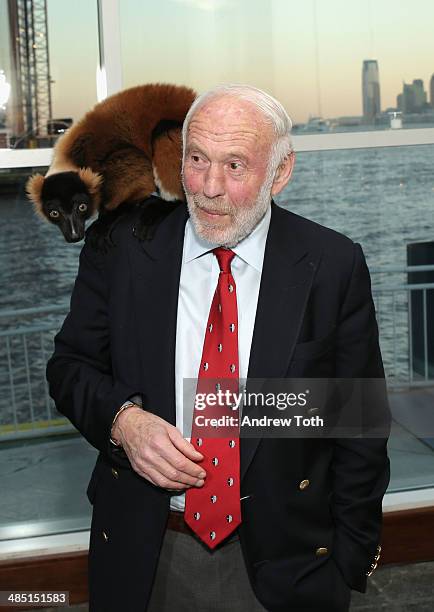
[(156, 266), (288, 271)]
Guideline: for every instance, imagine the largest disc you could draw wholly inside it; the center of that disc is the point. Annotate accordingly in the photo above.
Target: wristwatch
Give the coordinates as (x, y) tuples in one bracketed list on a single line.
[(125, 405)]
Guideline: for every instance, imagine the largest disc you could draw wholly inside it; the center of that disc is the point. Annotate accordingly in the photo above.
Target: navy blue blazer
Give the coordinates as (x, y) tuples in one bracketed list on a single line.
[(304, 546)]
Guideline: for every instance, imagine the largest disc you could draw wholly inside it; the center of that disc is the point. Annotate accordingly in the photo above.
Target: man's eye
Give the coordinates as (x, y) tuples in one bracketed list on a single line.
[(195, 159), (235, 166)]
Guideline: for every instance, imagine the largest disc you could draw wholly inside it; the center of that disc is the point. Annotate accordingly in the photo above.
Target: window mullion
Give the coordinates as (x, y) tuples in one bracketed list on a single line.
[(109, 48)]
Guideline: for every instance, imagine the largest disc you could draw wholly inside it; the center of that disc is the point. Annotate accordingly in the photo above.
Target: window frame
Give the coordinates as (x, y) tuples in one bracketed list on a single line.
[(110, 59)]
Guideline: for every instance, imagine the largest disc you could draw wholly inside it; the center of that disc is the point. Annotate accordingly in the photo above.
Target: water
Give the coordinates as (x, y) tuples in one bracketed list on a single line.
[(37, 267), (382, 198)]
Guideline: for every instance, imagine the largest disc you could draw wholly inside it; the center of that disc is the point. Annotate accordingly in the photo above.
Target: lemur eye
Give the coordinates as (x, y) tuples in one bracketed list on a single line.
[(82, 207), (54, 214)]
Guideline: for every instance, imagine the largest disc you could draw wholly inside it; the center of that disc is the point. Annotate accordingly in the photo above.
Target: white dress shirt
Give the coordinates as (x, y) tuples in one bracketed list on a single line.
[(198, 281)]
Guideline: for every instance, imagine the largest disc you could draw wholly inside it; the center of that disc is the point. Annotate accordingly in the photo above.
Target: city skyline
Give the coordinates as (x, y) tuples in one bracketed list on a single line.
[(308, 55), (413, 99)]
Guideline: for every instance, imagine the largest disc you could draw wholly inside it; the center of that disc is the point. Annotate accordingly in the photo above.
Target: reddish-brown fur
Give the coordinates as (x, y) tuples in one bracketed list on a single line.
[(114, 141), (34, 190)]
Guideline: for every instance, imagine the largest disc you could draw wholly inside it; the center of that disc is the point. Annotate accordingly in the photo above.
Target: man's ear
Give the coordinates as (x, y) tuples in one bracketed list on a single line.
[(283, 174)]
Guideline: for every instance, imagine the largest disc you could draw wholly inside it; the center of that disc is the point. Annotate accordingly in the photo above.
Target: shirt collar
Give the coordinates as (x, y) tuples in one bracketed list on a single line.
[(251, 249)]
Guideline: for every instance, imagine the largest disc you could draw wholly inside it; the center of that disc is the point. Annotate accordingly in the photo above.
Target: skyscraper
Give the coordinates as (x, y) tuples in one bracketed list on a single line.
[(413, 98), (370, 91), (420, 96), (431, 91)]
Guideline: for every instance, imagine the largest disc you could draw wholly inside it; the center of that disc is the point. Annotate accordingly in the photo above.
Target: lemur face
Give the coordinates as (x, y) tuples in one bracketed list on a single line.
[(66, 202)]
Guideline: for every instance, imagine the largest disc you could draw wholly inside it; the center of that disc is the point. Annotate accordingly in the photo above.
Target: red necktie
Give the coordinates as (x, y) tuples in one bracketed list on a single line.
[(214, 510)]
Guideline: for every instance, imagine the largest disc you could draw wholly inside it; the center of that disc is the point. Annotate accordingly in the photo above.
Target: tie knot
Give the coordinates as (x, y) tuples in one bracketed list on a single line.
[(224, 257)]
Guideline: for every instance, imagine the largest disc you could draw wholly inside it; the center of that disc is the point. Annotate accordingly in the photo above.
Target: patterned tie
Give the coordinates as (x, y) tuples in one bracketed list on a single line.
[(214, 510)]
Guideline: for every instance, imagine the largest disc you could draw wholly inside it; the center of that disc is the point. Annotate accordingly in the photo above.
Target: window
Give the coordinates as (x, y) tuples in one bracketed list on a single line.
[(355, 173), (49, 67), (335, 65)]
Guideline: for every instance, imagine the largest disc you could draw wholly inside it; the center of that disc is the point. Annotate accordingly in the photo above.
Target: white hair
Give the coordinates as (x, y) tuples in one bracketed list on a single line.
[(272, 110)]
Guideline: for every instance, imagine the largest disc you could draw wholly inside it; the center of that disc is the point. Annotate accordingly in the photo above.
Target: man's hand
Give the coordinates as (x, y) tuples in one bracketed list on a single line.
[(157, 451)]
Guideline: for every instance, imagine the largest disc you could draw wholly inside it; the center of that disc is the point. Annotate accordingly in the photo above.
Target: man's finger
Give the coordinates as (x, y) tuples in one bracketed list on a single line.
[(172, 473), (160, 480), (183, 456), (184, 445)]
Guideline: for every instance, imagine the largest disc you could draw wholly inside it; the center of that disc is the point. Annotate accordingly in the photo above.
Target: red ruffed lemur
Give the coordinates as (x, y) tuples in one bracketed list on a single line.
[(123, 150)]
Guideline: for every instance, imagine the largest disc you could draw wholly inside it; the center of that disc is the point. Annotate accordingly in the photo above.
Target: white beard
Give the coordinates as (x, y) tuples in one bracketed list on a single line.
[(243, 220)]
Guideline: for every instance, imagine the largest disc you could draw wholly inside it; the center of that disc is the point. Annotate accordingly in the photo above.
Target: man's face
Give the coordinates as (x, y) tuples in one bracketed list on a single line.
[(225, 170)]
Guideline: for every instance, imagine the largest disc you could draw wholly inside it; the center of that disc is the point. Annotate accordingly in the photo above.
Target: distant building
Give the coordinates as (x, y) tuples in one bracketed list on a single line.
[(431, 91), (420, 96), (413, 98), (370, 91), (400, 102)]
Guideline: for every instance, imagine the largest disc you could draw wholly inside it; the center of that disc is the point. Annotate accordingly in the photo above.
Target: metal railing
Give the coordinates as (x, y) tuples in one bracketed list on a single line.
[(26, 342), (405, 316)]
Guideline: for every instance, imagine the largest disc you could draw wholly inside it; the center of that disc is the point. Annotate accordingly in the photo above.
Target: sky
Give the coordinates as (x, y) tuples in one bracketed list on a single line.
[(307, 53)]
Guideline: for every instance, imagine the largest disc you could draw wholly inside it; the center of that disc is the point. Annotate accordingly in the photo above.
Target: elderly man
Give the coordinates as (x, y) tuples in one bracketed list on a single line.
[(238, 288)]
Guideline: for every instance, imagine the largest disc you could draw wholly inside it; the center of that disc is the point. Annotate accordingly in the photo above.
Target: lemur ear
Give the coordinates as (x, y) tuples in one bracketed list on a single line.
[(93, 181), (34, 190)]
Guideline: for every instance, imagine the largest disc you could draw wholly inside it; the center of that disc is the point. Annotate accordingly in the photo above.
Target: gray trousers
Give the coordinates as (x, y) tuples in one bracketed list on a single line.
[(191, 578)]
